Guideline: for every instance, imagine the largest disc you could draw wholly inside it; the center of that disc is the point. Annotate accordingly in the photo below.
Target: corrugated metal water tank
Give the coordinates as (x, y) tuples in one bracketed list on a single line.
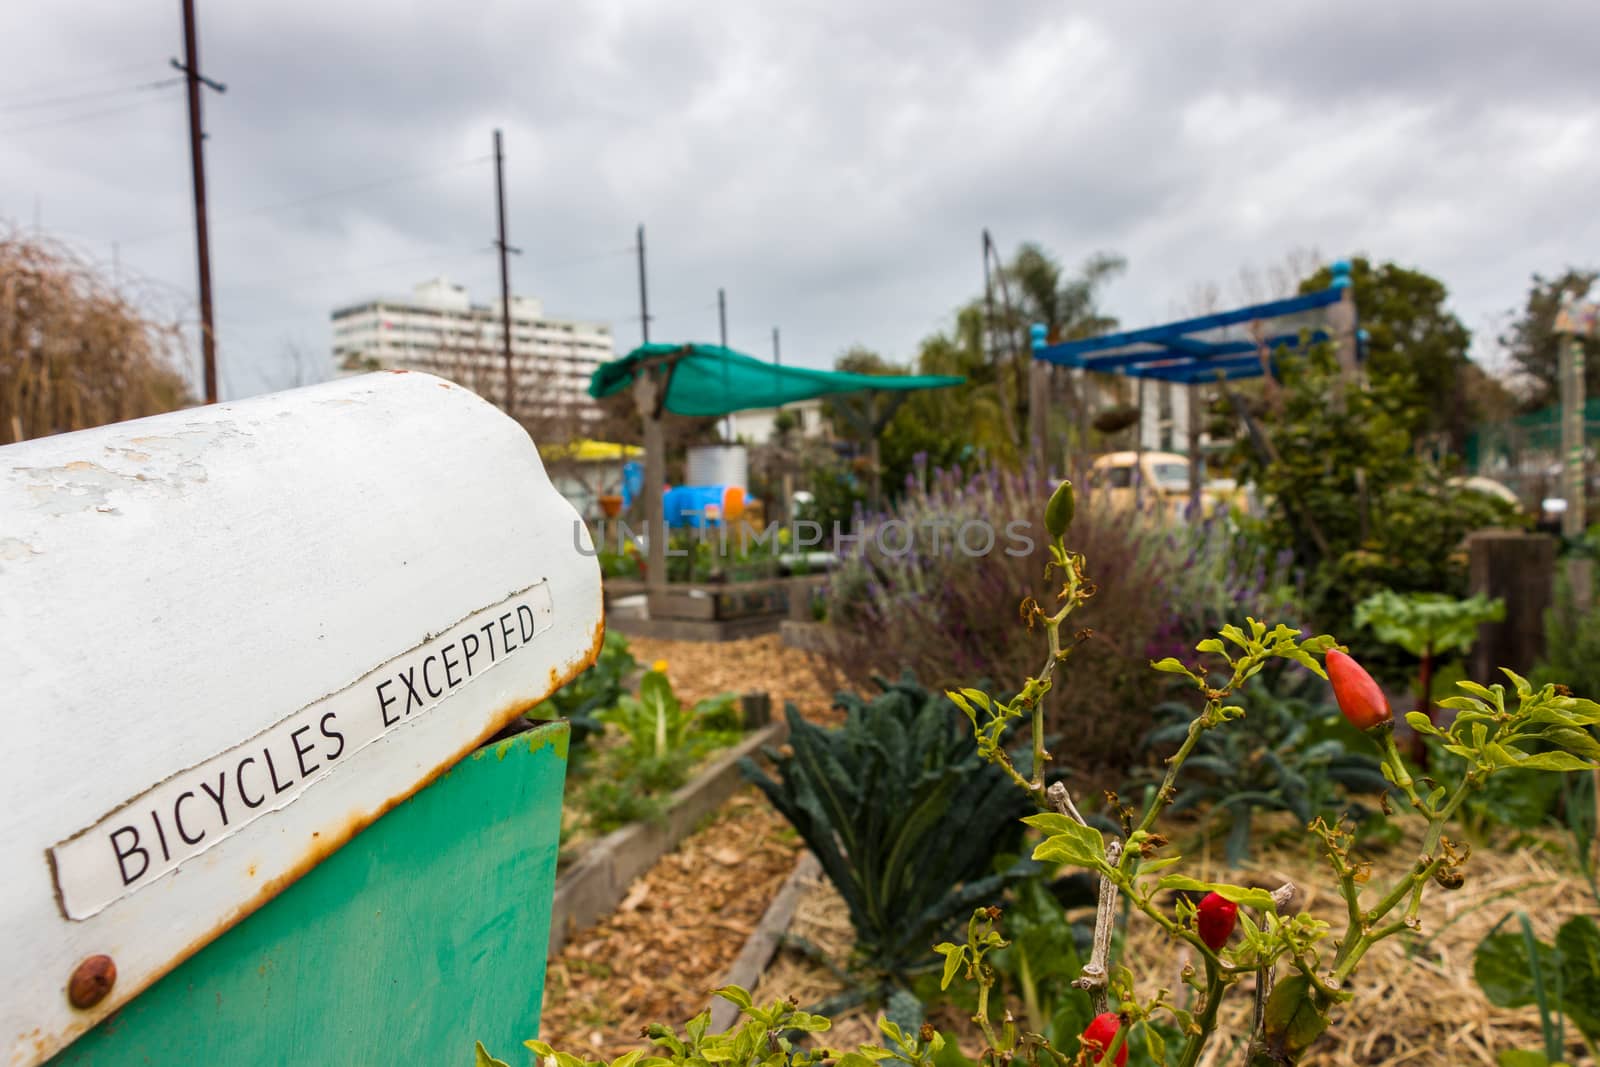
[(719, 465)]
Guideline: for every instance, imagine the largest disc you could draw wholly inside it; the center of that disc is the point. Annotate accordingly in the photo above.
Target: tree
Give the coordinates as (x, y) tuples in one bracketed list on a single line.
[(75, 350), (984, 415), (1531, 341), (1350, 497), (1067, 306), (1412, 333)]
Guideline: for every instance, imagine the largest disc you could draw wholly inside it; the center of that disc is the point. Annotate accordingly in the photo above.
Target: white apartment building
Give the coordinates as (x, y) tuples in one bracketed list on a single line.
[(440, 330)]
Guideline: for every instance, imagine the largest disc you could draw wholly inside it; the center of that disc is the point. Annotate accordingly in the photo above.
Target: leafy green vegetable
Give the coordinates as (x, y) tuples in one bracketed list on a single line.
[(1428, 623), (1515, 970), (904, 816)]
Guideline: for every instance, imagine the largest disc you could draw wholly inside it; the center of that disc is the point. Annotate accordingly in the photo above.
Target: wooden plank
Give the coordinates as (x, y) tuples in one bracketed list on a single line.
[(423, 935), (763, 942), (233, 637)]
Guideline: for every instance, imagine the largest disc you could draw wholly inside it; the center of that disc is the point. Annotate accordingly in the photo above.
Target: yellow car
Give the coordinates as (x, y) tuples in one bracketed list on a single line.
[(1163, 483)]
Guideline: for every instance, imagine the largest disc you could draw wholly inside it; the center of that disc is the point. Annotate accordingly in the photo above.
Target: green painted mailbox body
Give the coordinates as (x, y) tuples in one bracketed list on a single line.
[(425, 933)]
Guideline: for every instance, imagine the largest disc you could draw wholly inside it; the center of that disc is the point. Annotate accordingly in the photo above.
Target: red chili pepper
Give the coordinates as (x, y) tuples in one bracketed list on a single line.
[(1359, 697), (1102, 1030), (1216, 918)]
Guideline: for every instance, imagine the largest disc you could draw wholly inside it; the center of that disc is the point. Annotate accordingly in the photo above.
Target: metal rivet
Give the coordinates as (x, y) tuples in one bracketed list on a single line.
[(91, 982)]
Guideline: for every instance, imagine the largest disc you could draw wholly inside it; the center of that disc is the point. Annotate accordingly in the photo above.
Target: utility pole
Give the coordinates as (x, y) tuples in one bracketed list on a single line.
[(777, 380), (644, 296), (191, 69), (722, 334), (505, 272)]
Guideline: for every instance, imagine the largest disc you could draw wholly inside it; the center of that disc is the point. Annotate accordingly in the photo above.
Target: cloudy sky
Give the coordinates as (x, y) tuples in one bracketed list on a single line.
[(831, 164)]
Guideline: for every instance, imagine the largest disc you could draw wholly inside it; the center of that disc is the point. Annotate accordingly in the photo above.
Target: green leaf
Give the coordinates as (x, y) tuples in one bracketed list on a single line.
[(1523, 1058), (1308, 661), (734, 993), (1580, 712), (1154, 1043), (1072, 842), (1553, 761), (628, 1059), (1419, 721), (1578, 942), (1210, 644), (1171, 665), (1504, 971), (978, 697), (1250, 898), (486, 1060), (1573, 740), (1293, 1018), (953, 955), (1236, 635), (1517, 681)]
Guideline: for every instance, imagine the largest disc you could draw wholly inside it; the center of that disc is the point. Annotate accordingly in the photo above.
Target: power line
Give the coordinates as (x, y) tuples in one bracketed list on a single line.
[(451, 256), (327, 194), (110, 74), (87, 116), (73, 98)]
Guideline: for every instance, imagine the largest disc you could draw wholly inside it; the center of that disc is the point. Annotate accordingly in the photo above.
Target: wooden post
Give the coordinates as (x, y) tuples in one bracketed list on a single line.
[(1038, 401), (1342, 322), (1574, 466), (1138, 454), (646, 389), (1192, 417), (1518, 567), (1039, 415)]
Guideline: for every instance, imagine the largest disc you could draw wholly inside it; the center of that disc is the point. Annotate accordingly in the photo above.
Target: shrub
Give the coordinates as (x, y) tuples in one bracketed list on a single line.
[(932, 608), (75, 350), (1349, 493)]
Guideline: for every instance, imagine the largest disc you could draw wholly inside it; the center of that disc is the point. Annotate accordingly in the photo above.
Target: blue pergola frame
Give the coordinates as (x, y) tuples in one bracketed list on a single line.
[(1172, 353)]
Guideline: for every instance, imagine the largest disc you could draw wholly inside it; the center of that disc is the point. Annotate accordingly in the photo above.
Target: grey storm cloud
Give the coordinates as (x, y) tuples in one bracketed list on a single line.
[(830, 164)]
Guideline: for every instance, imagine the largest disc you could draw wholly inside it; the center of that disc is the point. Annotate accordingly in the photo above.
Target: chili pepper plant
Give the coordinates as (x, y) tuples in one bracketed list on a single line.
[(1298, 968)]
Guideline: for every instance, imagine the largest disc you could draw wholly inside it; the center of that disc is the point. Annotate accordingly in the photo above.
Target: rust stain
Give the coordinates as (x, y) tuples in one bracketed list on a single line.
[(321, 848), (252, 871)]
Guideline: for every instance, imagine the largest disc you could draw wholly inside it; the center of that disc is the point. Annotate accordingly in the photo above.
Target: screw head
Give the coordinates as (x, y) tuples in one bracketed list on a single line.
[(91, 981)]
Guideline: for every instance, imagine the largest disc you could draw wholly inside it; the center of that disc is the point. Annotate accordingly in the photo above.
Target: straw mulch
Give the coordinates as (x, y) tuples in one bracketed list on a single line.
[(1416, 1000), (658, 956), (701, 669)]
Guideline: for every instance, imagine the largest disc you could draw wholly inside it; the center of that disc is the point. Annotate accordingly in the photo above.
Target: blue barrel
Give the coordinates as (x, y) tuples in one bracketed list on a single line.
[(696, 506)]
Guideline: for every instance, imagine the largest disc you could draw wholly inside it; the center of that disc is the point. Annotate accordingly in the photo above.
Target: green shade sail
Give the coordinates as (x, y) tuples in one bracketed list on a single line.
[(709, 380)]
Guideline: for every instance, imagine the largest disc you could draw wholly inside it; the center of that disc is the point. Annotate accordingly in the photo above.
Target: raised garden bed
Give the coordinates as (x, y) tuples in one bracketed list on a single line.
[(674, 936), (599, 878)]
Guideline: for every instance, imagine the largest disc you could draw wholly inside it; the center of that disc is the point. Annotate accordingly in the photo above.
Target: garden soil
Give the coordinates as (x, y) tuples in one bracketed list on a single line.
[(701, 669)]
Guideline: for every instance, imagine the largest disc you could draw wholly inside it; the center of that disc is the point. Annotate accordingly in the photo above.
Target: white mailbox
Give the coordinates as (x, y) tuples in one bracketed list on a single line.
[(231, 638)]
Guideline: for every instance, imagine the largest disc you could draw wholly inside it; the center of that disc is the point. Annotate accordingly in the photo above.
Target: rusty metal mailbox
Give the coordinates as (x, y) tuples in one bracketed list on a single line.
[(231, 640)]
